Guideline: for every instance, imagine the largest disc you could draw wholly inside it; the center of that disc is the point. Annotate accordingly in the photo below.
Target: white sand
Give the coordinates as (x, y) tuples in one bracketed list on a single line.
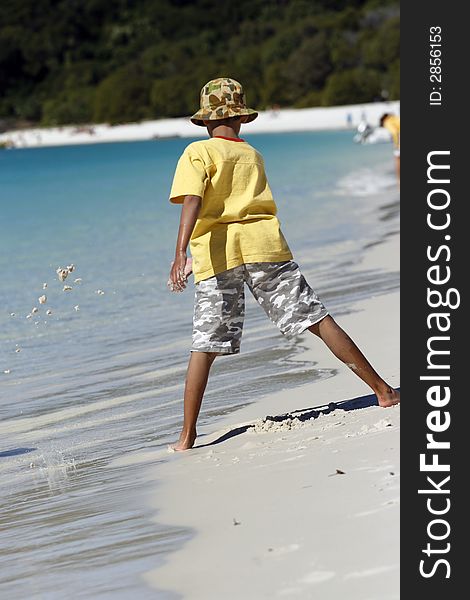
[(305, 119), (271, 516)]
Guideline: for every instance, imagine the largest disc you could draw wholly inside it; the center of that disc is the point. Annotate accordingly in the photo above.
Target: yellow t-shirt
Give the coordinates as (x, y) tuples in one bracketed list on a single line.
[(392, 123), (237, 222)]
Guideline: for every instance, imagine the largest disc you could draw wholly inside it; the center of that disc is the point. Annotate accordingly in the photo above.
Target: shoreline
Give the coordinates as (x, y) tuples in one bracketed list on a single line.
[(267, 500), (283, 120)]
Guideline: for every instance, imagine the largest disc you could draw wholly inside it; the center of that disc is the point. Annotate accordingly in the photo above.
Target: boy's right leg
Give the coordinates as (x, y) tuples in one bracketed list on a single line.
[(195, 385), (217, 329)]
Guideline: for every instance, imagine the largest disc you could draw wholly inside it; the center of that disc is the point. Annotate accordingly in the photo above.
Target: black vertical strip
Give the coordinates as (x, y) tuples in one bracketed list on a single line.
[(427, 243)]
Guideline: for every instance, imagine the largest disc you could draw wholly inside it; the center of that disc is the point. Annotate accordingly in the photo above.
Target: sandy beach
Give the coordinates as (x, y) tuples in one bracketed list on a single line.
[(284, 120), (297, 494)]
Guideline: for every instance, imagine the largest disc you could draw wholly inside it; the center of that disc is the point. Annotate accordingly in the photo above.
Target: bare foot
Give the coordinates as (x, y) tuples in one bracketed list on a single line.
[(186, 442), (388, 398)]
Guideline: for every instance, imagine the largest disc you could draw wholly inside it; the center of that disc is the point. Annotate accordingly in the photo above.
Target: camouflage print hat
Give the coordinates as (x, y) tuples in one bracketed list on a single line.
[(222, 98)]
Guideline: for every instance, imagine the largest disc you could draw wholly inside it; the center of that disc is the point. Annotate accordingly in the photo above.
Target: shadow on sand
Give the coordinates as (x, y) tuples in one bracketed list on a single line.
[(16, 451), (303, 414)]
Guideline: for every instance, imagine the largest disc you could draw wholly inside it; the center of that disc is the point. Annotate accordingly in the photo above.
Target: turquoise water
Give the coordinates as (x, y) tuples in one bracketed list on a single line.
[(92, 384)]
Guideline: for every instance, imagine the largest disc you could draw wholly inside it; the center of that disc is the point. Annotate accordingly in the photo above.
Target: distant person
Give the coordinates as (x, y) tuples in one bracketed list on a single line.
[(229, 218), (349, 120), (392, 124), (364, 130), (275, 110)]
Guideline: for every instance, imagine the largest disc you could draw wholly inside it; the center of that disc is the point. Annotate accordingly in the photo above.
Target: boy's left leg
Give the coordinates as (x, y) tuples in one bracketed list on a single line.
[(293, 306), (195, 385), (343, 347)]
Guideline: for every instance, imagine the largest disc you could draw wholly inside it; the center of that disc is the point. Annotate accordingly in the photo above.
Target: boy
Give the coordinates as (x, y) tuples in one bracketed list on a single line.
[(229, 216)]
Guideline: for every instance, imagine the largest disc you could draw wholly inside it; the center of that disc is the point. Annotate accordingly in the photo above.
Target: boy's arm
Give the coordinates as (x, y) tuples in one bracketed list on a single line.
[(189, 214)]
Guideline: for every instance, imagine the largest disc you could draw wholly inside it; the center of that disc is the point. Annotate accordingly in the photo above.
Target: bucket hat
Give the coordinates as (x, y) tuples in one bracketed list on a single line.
[(222, 98)]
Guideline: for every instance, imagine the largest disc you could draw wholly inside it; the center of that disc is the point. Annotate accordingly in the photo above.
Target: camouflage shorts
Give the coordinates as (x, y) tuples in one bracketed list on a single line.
[(280, 288)]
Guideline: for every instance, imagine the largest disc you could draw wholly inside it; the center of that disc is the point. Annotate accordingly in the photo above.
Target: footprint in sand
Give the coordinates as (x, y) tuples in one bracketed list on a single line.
[(317, 577), (283, 550), (370, 572)]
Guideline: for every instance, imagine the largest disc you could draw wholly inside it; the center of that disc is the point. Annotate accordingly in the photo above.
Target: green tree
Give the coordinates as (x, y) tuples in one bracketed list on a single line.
[(384, 46), (353, 86), (275, 89), (344, 50), (391, 81), (172, 97), (308, 67), (122, 96), (72, 106)]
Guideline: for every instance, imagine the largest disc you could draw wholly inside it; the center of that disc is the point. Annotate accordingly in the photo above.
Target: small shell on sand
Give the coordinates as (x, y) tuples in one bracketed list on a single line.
[(70, 268), (67, 288), (76, 307), (29, 316), (42, 299), (44, 286), (49, 312), (7, 371), (12, 314), (34, 310), (62, 273), (99, 292), (78, 280)]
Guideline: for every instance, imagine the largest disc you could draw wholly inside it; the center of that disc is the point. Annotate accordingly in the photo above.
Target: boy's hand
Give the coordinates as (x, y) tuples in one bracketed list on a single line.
[(181, 268)]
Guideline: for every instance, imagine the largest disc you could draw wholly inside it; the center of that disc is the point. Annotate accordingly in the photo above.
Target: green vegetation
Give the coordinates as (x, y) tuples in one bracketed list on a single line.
[(82, 61)]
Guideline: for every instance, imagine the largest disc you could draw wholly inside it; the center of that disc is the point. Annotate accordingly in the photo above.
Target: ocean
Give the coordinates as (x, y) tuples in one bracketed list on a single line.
[(102, 375)]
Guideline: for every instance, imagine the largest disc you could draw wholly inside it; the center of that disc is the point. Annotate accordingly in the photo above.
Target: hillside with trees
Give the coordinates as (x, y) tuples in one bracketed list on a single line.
[(84, 61)]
